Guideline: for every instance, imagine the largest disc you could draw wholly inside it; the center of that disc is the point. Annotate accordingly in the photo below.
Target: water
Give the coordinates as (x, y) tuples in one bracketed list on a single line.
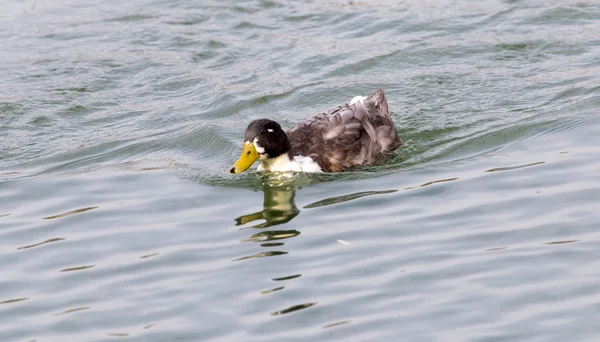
[(119, 221)]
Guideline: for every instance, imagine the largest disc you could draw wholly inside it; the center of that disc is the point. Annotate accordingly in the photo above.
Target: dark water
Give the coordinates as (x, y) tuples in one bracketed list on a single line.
[(118, 221)]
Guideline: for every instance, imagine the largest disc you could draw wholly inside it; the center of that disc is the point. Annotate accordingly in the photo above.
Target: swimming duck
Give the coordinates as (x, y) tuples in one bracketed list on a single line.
[(351, 135)]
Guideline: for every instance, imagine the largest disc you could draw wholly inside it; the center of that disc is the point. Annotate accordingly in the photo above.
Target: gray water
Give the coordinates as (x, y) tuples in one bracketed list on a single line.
[(119, 221)]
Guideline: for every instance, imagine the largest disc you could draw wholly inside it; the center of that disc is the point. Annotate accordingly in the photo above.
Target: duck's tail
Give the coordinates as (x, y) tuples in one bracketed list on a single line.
[(378, 98)]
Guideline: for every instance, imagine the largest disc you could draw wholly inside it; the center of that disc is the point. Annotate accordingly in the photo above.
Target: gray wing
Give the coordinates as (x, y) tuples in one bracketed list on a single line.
[(348, 135)]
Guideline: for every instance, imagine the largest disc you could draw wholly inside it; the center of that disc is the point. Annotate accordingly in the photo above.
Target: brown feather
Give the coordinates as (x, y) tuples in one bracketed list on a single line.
[(346, 136)]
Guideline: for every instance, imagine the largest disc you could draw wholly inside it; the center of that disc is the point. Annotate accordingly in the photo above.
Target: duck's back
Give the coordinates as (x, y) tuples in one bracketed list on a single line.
[(350, 135)]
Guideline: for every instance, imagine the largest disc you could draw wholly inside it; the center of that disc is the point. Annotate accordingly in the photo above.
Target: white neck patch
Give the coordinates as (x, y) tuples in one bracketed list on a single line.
[(277, 164), (259, 149), (284, 164)]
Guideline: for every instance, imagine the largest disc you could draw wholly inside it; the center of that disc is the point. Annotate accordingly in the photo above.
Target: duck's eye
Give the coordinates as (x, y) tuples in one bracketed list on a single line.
[(248, 153)]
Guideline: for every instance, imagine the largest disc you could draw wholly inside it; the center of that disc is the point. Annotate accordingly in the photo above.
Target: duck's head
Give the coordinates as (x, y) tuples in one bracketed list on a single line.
[(264, 139)]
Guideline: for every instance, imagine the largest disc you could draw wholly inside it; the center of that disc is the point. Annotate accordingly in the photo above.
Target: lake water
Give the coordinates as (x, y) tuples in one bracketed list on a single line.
[(119, 221)]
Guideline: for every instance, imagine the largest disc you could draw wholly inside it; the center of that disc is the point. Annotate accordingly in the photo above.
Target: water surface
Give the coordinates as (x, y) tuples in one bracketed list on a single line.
[(118, 220)]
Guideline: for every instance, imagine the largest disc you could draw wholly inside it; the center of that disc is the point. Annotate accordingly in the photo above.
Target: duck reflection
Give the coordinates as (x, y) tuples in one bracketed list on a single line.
[(268, 232), (278, 208)]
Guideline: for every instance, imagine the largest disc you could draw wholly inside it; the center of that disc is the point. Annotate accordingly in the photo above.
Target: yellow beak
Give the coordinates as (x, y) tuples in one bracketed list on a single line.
[(248, 157)]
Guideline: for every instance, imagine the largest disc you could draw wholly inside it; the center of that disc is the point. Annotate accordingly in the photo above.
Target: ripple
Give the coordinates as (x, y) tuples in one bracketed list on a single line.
[(42, 121), (288, 277), (190, 20), (344, 242), (16, 300), (272, 290), (336, 324), (292, 309), (272, 244), (261, 255), (42, 243), (149, 255), (508, 168), (431, 183), (77, 268), (566, 15), (73, 89), (83, 308), (132, 17), (74, 110), (495, 249), (69, 213), (117, 334), (272, 235), (561, 242), (301, 17), (346, 198)]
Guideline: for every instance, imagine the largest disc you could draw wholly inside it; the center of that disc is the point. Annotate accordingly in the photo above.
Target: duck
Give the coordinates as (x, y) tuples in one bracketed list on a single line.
[(348, 136)]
